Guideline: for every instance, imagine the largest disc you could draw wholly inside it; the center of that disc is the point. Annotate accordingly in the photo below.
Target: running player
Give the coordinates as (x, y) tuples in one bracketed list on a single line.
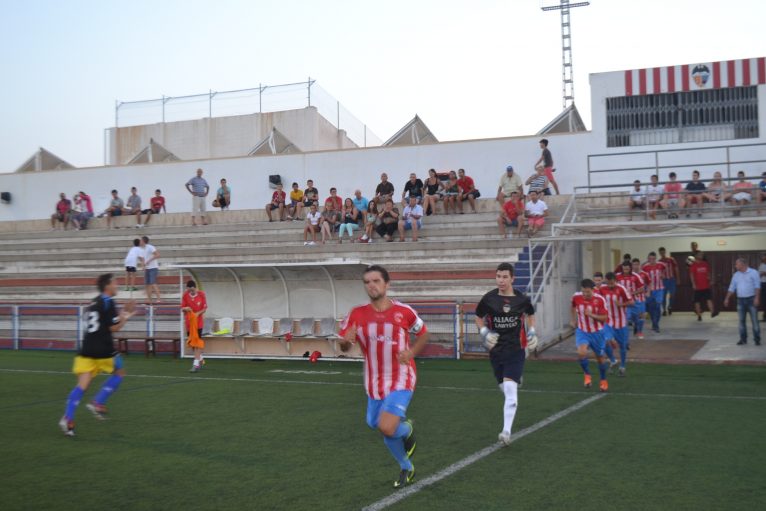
[(506, 321), (634, 283), (97, 354), (655, 270), (610, 344), (588, 317), (382, 328), (669, 280), (618, 298)]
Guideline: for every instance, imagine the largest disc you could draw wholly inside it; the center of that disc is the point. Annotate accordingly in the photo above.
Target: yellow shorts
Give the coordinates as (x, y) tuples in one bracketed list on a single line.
[(92, 365)]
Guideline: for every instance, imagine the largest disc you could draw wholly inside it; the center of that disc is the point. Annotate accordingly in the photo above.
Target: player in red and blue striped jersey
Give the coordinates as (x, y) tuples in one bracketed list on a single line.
[(618, 298), (588, 315), (656, 271), (634, 283)]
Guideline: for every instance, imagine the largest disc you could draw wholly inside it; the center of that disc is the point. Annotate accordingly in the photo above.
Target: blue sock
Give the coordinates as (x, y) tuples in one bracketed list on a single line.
[(609, 351), (602, 370), (72, 401), (623, 354), (584, 365), (395, 444), (110, 386)]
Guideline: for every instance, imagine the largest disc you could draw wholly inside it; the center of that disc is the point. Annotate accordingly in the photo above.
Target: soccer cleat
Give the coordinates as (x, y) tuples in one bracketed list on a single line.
[(409, 443), (588, 381), (504, 438), (98, 411), (405, 477), (603, 386), (66, 426), (639, 335), (612, 365), (194, 369), (621, 373)]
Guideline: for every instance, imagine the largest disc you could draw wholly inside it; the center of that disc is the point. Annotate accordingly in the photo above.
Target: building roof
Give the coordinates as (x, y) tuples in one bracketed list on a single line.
[(274, 143), (44, 160), (153, 153), (414, 132), (568, 121)]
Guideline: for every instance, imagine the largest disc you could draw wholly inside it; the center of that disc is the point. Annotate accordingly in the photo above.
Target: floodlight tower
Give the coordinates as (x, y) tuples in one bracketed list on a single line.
[(567, 85)]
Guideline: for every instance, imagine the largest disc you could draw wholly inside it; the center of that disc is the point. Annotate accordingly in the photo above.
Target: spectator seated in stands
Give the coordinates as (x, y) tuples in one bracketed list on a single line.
[(330, 220), (296, 203), (412, 188), (82, 211), (742, 192), (157, 204), (695, 194), (538, 182), (310, 195), (384, 190), (115, 208), (637, 198), (509, 182), (433, 192), (133, 205), (337, 202), (370, 222), (466, 191), (653, 197), (673, 200), (717, 191), (535, 211), (277, 202), (511, 215), (222, 196), (389, 220), (451, 193), (313, 224), (360, 203), (63, 212), (411, 219), (349, 220), (762, 192)]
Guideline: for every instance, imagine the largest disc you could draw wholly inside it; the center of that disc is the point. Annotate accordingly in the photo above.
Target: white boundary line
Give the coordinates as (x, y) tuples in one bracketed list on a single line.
[(421, 387), (473, 458)]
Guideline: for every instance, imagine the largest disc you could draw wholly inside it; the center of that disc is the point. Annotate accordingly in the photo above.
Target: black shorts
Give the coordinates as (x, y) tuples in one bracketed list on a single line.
[(473, 193), (130, 269), (702, 295), (507, 363)]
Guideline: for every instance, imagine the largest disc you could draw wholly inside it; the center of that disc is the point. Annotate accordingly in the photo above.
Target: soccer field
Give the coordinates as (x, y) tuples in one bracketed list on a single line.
[(291, 435)]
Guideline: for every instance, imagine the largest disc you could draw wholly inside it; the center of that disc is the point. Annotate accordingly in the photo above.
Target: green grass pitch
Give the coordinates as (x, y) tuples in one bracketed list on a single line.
[(265, 435)]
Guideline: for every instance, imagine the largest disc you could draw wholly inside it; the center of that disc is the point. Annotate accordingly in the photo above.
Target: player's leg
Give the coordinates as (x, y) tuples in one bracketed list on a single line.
[(621, 335), (641, 306), (98, 406), (698, 308), (83, 367), (509, 368), (609, 347), (665, 294), (398, 433), (581, 340), (597, 344)]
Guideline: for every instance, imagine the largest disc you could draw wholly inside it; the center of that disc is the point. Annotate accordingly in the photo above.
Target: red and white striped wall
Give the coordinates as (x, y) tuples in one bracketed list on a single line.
[(690, 77)]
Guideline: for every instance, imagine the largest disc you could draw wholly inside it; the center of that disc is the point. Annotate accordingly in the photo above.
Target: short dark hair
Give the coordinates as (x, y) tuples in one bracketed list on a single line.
[(652, 253), (635, 260), (598, 274), (157, 191), (114, 191), (103, 281), (626, 256), (662, 249), (626, 263), (133, 188), (695, 172), (145, 238), (136, 242), (587, 283), (637, 181), (295, 184), (333, 189), (610, 275), (378, 268), (544, 141), (672, 174), (190, 283), (505, 267), (741, 173)]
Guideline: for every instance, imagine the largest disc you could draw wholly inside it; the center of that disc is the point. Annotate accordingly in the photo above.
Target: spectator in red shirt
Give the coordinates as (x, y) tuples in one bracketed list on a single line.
[(62, 214), (157, 204), (277, 202), (335, 199), (672, 196), (467, 191), (511, 214), (194, 302), (701, 275)]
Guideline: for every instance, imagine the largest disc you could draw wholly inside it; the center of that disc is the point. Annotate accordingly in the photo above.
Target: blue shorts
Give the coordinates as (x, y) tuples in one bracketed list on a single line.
[(395, 403), (594, 340), (640, 307), (670, 285), (608, 332), (150, 276), (507, 363), (621, 335), (408, 224), (656, 296)]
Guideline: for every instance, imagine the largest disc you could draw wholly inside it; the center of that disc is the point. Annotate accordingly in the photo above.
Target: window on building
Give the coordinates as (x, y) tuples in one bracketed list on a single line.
[(697, 116)]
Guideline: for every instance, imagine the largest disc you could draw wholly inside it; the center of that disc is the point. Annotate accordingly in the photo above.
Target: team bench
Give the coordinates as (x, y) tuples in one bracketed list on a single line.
[(150, 342)]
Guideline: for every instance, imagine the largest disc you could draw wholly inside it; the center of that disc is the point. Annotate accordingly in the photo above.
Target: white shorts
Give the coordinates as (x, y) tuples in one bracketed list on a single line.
[(743, 196), (198, 206)]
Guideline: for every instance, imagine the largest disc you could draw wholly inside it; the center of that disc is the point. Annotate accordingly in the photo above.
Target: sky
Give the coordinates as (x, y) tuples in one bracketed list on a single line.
[(470, 69)]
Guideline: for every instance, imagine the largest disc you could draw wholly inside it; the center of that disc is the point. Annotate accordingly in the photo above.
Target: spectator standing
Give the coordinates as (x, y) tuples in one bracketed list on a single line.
[(135, 254), (656, 271), (411, 219), (433, 187), (538, 182), (412, 188), (637, 198), (360, 203), (296, 203), (511, 215), (151, 262), (700, 276), (310, 195), (653, 196), (335, 199), (348, 221), (330, 220), (762, 273), (717, 190), (673, 199), (535, 211), (388, 221), (116, 207), (223, 196), (508, 183), (370, 222), (384, 190), (277, 202), (695, 193), (451, 192), (157, 206), (194, 303), (669, 280), (546, 159), (198, 188), (313, 224), (746, 285), (467, 190), (133, 206), (742, 192)]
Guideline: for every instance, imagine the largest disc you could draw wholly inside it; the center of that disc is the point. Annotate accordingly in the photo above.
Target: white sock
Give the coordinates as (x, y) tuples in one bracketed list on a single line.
[(510, 389), (196, 363)]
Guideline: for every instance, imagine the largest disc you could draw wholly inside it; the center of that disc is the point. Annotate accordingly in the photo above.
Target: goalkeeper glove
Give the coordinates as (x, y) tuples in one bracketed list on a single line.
[(490, 337), (532, 340)]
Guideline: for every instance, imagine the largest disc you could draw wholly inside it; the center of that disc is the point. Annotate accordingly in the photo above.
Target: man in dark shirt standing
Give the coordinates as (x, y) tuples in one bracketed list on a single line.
[(696, 193), (546, 160), (412, 188), (97, 354), (385, 190)]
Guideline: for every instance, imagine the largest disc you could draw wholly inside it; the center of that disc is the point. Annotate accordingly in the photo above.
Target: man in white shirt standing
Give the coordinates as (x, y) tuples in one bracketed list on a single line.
[(762, 273), (135, 254), (536, 211), (151, 269), (410, 220)]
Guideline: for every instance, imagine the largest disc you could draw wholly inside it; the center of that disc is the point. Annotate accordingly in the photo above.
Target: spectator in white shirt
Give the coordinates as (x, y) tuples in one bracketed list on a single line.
[(313, 217), (135, 254), (151, 269), (637, 198), (411, 219), (535, 211), (653, 197)]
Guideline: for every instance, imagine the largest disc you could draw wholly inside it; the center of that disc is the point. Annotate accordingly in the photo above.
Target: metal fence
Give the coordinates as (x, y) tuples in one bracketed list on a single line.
[(261, 99)]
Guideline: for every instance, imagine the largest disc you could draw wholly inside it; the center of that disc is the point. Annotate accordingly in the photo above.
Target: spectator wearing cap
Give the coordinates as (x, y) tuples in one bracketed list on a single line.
[(509, 182), (116, 206), (296, 203), (335, 199), (278, 203), (695, 193), (511, 214), (411, 219), (63, 212), (451, 193), (412, 188), (198, 188), (157, 206), (535, 211), (384, 190), (546, 161), (466, 191)]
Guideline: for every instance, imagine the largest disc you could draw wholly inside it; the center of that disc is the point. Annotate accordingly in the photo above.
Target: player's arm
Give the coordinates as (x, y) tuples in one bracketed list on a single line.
[(420, 331), (532, 340), (489, 337), (603, 316), (127, 312), (573, 317), (347, 332)]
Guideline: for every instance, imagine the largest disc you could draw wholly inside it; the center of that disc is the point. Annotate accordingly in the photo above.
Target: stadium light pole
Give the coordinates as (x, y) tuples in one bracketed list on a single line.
[(567, 79)]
